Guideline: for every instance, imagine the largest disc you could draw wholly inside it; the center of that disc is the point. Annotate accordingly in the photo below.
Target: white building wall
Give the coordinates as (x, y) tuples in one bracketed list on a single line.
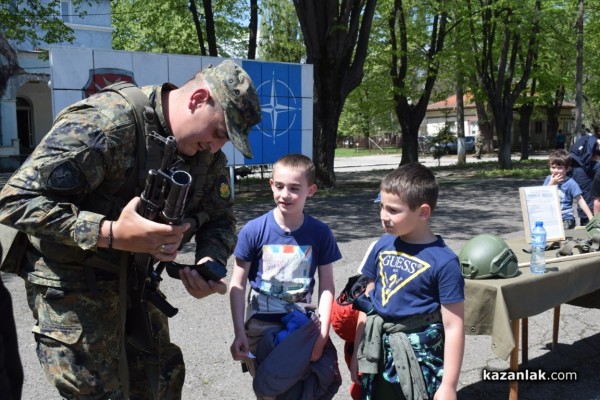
[(93, 30), (38, 94), (8, 112)]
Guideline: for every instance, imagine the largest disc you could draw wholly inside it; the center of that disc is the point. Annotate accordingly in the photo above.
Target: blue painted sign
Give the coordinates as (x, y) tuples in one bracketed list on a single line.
[(285, 91)]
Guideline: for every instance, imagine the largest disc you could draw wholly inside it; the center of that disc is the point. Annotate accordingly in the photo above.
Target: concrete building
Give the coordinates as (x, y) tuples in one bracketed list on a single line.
[(26, 107), (444, 112)]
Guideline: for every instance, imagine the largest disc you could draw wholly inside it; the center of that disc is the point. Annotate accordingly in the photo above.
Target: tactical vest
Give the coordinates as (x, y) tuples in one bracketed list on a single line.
[(14, 243)]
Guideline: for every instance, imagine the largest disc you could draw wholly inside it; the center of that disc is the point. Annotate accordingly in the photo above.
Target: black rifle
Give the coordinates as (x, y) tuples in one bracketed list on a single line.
[(163, 200)]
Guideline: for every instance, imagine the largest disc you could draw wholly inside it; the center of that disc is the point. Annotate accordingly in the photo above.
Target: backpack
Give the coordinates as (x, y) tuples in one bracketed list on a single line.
[(583, 151), (13, 243)]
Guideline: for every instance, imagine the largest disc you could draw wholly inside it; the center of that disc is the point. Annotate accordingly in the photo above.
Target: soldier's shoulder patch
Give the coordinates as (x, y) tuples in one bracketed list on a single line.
[(224, 188), (64, 177)]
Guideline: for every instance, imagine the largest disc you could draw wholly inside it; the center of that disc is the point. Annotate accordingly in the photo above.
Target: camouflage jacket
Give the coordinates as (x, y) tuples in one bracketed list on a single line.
[(75, 178)]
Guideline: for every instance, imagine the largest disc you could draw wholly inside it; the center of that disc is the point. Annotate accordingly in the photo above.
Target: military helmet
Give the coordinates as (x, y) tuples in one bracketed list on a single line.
[(593, 227), (487, 256)]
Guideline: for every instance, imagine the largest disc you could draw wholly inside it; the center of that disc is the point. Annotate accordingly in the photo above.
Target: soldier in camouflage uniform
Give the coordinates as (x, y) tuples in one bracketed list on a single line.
[(478, 145), (68, 197)]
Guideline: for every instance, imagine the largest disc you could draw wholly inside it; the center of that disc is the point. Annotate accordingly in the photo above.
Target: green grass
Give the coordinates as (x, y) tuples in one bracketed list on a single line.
[(520, 169), (257, 190), (343, 152), (529, 169)]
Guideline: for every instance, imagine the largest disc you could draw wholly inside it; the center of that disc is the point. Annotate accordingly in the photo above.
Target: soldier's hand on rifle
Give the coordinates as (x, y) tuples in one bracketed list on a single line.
[(199, 287), (131, 232)]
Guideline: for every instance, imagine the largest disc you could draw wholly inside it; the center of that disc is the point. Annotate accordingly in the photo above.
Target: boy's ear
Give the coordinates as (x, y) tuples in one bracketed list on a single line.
[(312, 189), (424, 211)]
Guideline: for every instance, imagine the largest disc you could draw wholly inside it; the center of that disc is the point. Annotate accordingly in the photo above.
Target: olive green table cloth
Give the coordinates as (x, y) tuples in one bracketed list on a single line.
[(491, 304)]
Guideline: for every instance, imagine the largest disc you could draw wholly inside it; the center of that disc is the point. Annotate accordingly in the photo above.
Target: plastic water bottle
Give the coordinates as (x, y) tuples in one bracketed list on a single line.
[(538, 246)]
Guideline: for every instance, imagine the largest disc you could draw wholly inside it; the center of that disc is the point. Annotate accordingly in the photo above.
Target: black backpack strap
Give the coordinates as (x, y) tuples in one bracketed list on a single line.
[(146, 124)]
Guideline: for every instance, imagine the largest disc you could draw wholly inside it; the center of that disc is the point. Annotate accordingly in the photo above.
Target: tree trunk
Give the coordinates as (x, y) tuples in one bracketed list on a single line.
[(211, 38), (553, 111), (410, 115), (326, 115), (460, 125), (496, 70), (503, 119), (525, 112), (194, 12), (579, 73), (485, 124), (337, 40), (252, 28)]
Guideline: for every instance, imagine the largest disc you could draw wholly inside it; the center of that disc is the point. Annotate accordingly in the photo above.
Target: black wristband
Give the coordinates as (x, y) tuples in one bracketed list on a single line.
[(110, 235)]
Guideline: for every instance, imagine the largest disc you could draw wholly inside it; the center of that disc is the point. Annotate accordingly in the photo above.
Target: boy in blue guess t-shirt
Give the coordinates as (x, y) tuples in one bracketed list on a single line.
[(416, 292), (568, 190), (279, 254)]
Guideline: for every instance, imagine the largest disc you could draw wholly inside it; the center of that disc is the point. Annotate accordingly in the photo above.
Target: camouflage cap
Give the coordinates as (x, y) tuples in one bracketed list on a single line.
[(236, 93)]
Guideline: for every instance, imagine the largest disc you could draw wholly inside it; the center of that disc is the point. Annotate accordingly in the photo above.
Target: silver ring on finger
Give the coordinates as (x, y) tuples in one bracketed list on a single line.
[(162, 248)]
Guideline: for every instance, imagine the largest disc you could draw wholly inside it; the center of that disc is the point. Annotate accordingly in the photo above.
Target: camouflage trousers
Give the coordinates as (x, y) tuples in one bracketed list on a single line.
[(79, 343)]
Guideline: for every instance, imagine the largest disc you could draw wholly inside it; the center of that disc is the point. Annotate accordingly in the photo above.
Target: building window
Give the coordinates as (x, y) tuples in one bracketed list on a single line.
[(65, 11), (474, 127)]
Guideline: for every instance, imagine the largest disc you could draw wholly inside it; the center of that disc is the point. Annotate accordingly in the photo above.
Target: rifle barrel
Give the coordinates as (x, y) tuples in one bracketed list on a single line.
[(175, 201)]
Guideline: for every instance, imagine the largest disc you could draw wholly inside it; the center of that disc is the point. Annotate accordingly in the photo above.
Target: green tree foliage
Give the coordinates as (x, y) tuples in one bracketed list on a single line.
[(491, 46), (280, 33), (368, 110), (36, 22), (9, 65), (163, 26), (591, 74), (504, 44), (336, 35), (166, 26), (417, 32), (553, 78)]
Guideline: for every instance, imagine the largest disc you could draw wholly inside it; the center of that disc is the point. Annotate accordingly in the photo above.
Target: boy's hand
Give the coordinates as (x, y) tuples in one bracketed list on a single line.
[(317, 350), (239, 348), (445, 392), (354, 371), (555, 179)]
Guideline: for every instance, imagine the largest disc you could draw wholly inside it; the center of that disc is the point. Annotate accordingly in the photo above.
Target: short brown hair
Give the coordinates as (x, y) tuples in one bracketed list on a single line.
[(560, 157), (299, 162), (414, 183)]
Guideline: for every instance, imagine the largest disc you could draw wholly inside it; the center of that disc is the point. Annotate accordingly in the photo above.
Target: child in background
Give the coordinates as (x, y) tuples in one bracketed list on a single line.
[(279, 254), (414, 299), (568, 190)]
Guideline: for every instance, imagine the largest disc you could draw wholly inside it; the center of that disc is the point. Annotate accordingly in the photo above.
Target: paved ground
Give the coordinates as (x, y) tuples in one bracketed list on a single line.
[(467, 207)]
